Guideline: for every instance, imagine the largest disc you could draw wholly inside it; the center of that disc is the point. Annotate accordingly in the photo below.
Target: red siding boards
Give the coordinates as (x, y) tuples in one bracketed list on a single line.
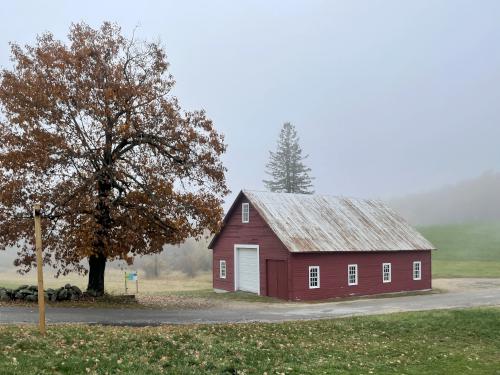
[(333, 273), (333, 265), (255, 232), (277, 278)]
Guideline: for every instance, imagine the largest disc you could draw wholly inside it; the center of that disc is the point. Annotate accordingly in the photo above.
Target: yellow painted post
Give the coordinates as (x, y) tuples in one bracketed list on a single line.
[(39, 265)]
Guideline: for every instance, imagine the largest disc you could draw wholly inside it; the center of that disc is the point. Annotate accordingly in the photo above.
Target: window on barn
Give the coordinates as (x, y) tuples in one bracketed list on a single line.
[(417, 270), (245, 213), (352, 274), (386, 272), (313, 277), (222, 269)]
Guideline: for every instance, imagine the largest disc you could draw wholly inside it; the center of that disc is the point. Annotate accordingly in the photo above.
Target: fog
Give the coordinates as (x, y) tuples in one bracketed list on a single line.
[(389, 98), (472, 200)]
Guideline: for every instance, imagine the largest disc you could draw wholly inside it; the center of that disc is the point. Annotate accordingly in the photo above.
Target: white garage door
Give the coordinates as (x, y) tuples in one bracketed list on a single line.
[(248, 270)]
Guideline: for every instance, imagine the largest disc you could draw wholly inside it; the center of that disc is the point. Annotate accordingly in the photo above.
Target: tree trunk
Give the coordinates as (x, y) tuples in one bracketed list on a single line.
[(97, 261), (97, 265)]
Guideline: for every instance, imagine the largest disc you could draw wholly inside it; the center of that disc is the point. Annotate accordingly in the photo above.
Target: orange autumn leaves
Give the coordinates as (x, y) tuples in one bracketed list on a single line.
[(91, 130)]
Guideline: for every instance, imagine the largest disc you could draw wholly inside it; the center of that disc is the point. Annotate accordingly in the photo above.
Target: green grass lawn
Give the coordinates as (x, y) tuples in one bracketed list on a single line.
[(233, 296), (440, 342), (465, 250)]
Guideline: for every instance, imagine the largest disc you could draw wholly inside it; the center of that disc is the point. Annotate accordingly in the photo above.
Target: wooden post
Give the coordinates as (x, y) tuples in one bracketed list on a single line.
[(136, 282), (125, 274), (39, 265)]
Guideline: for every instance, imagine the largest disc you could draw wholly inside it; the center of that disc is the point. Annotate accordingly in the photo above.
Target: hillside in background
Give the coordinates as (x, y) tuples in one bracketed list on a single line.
[(465, 250), (474, 200), (463, 222)]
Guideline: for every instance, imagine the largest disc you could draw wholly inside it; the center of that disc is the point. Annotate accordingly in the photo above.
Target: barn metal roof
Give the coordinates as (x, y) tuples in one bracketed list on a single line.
[(306, 223)]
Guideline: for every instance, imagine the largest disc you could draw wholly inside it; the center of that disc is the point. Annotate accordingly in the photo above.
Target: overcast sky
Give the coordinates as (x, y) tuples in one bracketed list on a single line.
[(389, 97)]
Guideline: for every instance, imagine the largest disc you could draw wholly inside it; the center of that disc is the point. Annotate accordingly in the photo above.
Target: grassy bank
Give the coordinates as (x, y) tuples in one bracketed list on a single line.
[(442, 342), (465, 250)]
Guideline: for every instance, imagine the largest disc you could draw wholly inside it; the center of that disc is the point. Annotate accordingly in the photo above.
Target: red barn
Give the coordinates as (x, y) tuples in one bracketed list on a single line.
[(309, 247)]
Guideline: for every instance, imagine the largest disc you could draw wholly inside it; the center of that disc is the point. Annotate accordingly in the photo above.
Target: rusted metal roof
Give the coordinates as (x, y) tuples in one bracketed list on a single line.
[(306, 223)]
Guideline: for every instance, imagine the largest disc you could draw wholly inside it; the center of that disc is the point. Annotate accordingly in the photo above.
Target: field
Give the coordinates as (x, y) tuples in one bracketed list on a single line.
[(115, 284), (465, 250), (440, 342)]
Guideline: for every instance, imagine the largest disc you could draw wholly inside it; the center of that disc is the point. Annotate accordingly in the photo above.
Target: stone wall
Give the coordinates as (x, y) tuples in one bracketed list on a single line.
[(29, 293)]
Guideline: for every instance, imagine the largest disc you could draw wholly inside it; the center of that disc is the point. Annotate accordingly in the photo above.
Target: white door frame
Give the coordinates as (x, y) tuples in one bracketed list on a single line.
[(236, 271)]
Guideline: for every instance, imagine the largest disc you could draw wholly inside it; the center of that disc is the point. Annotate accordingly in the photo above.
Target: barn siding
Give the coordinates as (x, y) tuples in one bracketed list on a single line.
[(333, 273), (256, 232)]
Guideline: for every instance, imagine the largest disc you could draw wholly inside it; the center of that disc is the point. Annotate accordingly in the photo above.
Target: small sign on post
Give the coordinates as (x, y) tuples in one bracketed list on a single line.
[(132, 276), (39, 265)]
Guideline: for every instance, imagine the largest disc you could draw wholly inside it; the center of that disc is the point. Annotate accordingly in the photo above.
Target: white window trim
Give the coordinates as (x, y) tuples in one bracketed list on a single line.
[(419, 270), (245, 206), (222, 266), (383, 273), (348, 277), (309, 277)]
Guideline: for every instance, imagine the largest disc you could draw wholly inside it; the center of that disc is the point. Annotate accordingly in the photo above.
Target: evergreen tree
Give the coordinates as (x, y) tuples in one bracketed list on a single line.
[(286, 168)]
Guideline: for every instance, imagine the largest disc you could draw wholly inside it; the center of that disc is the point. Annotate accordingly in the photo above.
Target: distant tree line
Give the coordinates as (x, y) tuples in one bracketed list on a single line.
[(191, 258)]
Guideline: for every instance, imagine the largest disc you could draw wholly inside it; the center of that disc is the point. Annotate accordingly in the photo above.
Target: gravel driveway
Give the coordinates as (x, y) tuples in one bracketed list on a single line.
[(460, 293)]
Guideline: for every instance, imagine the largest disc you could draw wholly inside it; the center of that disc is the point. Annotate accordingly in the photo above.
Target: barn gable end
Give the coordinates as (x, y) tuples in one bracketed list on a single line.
[(254, 233)]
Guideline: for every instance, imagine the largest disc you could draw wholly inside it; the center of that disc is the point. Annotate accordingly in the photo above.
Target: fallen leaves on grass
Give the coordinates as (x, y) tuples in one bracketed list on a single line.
[(424, 343), (176, 302)]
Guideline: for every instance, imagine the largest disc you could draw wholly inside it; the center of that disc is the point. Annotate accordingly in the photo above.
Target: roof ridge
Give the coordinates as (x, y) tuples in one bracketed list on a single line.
[(315, 195)]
